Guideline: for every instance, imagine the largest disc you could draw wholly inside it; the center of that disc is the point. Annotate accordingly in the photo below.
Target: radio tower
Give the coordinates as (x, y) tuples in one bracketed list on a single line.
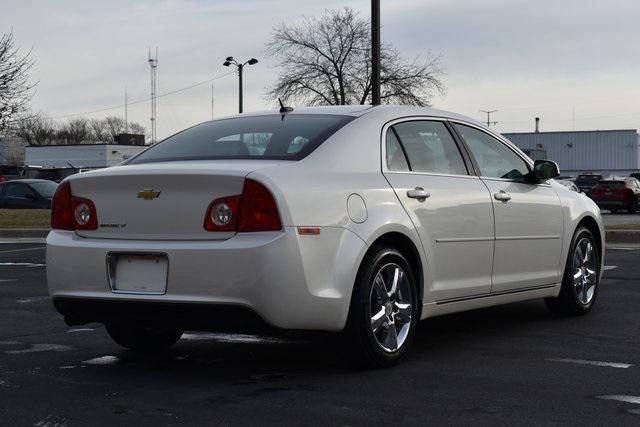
[(153, 64)]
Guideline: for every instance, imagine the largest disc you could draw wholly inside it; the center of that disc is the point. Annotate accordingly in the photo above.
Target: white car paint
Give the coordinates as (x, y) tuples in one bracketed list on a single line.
[(469, 257)]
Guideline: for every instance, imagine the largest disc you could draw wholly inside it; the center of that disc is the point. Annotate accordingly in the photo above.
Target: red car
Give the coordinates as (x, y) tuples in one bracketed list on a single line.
[(614, 194)]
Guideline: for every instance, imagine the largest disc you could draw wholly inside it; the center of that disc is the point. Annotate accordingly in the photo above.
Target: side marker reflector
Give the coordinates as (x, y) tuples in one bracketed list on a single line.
[(308, 231)]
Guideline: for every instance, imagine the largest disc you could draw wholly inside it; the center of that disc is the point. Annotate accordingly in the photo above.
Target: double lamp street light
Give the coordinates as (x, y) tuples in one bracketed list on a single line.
[(240, 65)]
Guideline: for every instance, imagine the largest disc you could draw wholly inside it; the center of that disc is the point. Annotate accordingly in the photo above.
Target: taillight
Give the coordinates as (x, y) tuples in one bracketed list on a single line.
[(222, 214), (258, 209), (69, 212), (254, 210), (61, 214)]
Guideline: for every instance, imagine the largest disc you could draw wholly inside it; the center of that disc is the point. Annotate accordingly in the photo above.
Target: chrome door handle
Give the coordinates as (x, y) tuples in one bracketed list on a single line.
[(502, 195), (418, 193)]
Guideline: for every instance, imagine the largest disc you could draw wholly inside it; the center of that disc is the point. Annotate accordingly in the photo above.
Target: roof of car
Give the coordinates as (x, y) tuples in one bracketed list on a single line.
[(28, 181), (361, 110)]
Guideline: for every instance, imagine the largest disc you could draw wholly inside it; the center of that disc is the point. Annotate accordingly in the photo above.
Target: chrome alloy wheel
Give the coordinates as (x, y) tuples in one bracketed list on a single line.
[(391, 307), (584, 271)]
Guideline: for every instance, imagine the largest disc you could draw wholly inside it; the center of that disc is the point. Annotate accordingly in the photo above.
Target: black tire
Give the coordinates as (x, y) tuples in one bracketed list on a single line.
[(364, 346), (633, 207), (571, 301), (143, 339)]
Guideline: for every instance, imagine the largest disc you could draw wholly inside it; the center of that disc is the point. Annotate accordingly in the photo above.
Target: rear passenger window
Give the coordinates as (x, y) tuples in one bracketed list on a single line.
[(396, 160), (430, 147)]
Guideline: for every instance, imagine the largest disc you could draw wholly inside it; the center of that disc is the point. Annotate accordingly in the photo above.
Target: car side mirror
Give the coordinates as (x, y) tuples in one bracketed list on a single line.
[(543, 170)]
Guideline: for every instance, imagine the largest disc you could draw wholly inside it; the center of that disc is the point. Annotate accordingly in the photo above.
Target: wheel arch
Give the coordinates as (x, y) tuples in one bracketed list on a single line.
[(406, 246), (591, 224)]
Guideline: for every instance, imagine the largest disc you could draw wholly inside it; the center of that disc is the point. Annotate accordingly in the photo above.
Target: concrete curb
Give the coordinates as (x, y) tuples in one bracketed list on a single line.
[(612, 236), (11, 233), (622, 236)]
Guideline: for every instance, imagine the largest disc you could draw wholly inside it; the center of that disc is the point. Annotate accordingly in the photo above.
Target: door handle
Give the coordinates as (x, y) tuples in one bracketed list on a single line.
[(418, 193), (502, 195)]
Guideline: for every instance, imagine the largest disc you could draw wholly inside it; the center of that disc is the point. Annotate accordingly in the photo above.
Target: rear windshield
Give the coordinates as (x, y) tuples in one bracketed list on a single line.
[(279, 137), (610, 184), (588, 179), (46, 189)]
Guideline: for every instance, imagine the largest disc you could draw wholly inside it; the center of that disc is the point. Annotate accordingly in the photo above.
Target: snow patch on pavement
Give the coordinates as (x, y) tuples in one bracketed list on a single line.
[(104, 360), (591, 362)]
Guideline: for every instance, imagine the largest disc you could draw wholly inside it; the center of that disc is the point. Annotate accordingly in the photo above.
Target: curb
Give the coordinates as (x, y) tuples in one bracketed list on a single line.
[(23, 232), (622, 236)]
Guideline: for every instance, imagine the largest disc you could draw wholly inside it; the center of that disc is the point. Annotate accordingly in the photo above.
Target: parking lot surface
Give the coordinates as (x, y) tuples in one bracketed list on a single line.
[(514, 364)]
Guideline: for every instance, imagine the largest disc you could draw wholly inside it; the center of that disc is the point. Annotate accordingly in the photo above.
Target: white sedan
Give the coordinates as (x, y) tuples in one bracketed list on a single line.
[(360, 220)]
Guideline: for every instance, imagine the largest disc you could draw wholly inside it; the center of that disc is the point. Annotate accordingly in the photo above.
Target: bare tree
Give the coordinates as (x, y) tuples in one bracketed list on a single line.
[(35, 130), (99, 131), (15, 86), (115, 125), (137, 128), (326, 60), (12, 151), (75, 131)]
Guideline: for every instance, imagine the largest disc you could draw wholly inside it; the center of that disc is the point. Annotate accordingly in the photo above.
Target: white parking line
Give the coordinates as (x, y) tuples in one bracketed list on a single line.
[(591, 362), (20, 264), (621, 398)]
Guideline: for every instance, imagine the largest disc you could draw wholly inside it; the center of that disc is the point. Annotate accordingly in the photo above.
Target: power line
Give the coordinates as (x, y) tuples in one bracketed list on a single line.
[(140, 101)]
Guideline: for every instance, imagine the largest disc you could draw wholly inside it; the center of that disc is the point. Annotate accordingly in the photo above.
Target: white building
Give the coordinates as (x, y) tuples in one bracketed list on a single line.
[(79, 156)]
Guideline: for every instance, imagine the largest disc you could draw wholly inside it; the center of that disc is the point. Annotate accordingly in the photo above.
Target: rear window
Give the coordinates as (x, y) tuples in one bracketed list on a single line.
[(279, 137), (588, 179), (610, 184)]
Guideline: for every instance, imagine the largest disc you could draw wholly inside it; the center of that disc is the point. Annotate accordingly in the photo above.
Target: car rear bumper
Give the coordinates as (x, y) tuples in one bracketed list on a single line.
[(281, 278)]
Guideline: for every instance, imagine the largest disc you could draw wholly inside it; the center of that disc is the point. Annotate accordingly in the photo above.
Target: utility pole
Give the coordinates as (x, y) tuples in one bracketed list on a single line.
[(489, 112), (375, 52), (126, 111), (153, 64), (212, 93)]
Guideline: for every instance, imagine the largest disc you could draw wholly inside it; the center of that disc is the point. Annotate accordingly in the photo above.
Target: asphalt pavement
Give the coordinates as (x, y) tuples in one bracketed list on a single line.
[(509, 365)]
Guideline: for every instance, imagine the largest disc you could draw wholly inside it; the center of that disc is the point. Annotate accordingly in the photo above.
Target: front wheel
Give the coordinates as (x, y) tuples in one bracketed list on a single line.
[(384, 309), (141, 338), (581, 277)]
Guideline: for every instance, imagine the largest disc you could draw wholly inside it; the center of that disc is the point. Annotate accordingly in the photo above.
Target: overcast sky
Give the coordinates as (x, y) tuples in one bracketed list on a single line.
[(557, 59)]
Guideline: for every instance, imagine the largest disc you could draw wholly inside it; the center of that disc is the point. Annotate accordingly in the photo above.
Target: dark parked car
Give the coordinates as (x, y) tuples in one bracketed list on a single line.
[(27, 194), (617, 193), (586, 182), (635, 175)]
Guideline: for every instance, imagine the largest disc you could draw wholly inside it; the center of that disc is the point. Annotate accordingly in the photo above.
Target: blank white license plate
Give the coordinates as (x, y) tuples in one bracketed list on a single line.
[(138, 273)]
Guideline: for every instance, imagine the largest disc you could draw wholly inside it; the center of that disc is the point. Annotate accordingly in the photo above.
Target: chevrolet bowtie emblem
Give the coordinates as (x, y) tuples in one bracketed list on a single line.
[(148, 194)]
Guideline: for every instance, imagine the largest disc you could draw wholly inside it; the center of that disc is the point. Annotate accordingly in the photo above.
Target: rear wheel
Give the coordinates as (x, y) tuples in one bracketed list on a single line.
[(581, 277), (140, 338), (384, 309)]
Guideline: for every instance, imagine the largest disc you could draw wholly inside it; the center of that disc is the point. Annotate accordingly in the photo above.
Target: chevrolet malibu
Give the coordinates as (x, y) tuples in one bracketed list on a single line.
[(358, 220)]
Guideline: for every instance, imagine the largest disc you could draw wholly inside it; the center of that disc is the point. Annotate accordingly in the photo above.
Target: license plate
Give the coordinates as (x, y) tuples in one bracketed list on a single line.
[(138, 273)]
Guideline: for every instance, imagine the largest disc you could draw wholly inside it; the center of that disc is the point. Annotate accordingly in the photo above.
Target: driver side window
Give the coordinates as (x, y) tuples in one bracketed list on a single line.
[(494, 158)]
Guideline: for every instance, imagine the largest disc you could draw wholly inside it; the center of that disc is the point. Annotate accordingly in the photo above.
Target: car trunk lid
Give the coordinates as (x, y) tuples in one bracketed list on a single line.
[(161, 201)]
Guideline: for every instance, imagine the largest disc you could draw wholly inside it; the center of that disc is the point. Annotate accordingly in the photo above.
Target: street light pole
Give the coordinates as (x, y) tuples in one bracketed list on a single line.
[(240, 87), (375, 52), (240, 65)]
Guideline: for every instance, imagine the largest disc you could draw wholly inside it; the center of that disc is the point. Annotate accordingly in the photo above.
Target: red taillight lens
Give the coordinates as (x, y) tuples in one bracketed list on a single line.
[(258, 209), (72, 213), (222, 214), (61, 212), (254, 210)]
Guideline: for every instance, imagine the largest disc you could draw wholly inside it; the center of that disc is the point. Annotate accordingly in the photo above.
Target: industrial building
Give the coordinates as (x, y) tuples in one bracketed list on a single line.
[(79, 156), (609, 152)]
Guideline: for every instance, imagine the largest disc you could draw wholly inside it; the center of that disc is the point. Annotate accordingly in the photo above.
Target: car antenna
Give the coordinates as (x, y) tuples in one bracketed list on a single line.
[(284, 109)]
